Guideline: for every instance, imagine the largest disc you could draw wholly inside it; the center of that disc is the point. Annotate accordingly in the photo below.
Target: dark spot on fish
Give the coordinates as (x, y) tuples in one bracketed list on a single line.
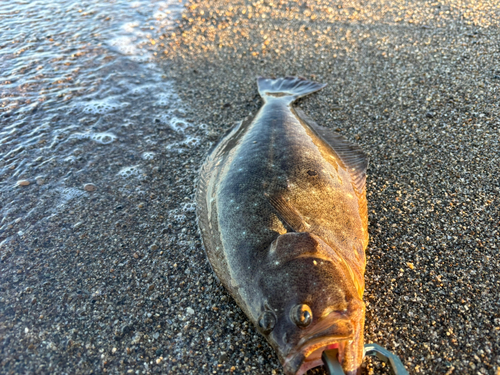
[(312, 173)]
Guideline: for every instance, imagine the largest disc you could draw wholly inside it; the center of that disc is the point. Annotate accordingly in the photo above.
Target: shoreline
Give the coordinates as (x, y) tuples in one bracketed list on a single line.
[(102, 267)]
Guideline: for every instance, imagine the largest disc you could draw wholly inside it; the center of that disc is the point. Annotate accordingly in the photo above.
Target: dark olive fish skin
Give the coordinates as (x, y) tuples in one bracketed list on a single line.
[(282, 211)]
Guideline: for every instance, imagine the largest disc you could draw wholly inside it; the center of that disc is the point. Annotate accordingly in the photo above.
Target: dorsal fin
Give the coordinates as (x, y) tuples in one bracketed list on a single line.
[(353, 157)]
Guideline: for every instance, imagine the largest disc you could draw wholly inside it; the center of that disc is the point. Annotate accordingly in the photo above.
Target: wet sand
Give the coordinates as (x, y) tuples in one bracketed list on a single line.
[(117, 281)]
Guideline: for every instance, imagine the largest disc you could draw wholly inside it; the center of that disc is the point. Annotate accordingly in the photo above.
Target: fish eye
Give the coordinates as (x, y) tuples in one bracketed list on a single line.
[(267, 321), (301, 315)]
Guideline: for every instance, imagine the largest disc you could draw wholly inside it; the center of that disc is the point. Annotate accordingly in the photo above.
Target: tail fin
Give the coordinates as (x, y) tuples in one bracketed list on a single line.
[(294, 87)]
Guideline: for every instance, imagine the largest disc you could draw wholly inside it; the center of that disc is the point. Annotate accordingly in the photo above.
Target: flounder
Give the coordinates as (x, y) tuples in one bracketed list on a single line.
[(282, 210)]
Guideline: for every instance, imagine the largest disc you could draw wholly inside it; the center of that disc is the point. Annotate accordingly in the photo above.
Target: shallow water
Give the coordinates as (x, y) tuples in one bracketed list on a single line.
[(96, 183), (80, 91)]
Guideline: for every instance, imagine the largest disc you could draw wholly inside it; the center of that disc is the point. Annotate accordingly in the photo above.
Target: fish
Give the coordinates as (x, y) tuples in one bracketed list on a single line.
[(282, 212)]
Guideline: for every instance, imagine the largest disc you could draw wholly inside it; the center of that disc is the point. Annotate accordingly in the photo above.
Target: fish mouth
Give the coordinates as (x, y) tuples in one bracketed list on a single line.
[(309, 355), (335, 332)]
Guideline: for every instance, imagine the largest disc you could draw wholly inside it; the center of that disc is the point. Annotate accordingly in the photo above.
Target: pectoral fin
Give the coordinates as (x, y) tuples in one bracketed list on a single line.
[(288, 213)]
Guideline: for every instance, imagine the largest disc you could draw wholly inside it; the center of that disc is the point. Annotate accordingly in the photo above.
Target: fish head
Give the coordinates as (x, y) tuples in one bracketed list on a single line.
[(310, 303)]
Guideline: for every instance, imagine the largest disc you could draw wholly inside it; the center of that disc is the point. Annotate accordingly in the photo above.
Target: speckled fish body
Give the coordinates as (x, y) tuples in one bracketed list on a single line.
[(281, 206)]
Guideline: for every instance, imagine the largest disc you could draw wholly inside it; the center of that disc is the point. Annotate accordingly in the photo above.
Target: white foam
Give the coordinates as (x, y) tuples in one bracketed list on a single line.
[(164, 99), (148, 155), (103, 138), (189, 207), (180, 219), (177, 124), (191, 141), (188, 143), (131, 171), (103, 106)]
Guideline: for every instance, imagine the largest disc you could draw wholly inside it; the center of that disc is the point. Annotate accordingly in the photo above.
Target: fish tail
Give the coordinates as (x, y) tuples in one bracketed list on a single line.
[(293, 87)]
